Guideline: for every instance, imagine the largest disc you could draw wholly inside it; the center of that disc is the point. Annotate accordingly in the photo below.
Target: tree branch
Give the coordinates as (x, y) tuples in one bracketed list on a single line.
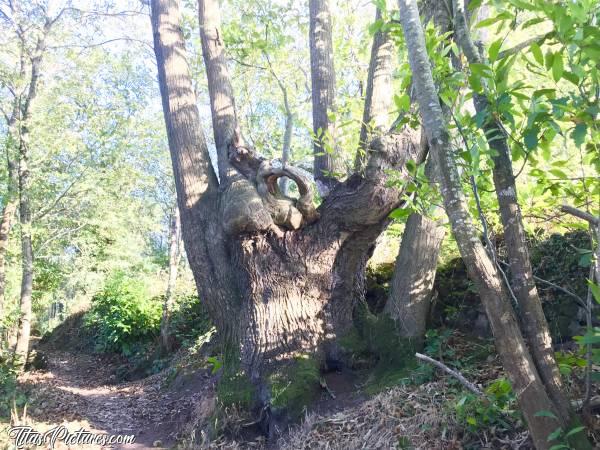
[(595, 221), (222, 103), (466, 383), (323, 95), (378, 93)]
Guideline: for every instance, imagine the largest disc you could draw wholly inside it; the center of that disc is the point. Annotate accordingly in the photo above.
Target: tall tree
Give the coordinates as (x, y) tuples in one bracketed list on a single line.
[(378, 96), (19, 123), (518, 363), (174, 258), (533, 322), (323, 95), (279, 276)]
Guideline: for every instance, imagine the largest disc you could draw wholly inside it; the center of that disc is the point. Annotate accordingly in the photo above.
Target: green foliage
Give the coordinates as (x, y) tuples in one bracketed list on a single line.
[(123, 315), (189, 319), (234, 389), (295, 386), (9, 394), (497, 409)]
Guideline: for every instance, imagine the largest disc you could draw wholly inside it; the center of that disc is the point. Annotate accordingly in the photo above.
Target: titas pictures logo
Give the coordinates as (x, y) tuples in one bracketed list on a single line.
[(25, 436)]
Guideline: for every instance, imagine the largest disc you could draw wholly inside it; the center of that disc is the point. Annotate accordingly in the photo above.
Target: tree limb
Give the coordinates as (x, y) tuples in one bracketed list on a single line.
[(377, 96), (466, 383), (593, 220)]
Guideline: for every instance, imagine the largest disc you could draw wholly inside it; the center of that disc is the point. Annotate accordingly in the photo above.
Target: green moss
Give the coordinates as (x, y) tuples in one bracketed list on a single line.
[(234, 389), (374, 344), (295, 386)]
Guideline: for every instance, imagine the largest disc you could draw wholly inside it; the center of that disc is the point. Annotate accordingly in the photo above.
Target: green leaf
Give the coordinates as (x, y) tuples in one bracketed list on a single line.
[(402, 102), (579, 133), (487, 22), (570, 76), (537, 53), (595, 290), (401, 213), (530, 138), (475, 82), (555, 434), (557, 67), (481, 69), (546, 414), (574, 431), (494, 50)]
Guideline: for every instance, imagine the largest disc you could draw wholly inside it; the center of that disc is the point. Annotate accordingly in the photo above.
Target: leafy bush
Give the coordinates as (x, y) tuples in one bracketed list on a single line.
[(499, 409), (123, 315), (189, 320), (9, 394)]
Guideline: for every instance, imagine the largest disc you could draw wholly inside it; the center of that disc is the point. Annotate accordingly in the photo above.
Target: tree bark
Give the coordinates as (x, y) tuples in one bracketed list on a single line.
[(378, 94), (414, 273), (323, 95), (174, 257), (279, 277), (6, 222), (533, 320), (25, 217), (22, 346), (195, 181), (517, 361)]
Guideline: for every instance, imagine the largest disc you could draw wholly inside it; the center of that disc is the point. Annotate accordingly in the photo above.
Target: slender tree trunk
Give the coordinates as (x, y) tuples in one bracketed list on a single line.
[(533, 321), (526, 382), (25, 218), (22, 346), (414, 273), (378, 95), (323, 95), (174, 257), (6, 222), (8, 215)]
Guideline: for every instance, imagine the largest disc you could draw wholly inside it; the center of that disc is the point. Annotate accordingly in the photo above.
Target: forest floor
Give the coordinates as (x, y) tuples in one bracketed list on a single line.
[(80, 391)]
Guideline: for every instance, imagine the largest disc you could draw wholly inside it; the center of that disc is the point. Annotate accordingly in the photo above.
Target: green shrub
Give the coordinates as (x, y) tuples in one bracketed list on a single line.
[(124, 316), (498, 409), (189, 320), (9, 394)]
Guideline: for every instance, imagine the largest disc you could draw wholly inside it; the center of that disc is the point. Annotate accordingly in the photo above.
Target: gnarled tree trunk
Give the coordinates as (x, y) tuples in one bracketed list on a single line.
[(279, 276)]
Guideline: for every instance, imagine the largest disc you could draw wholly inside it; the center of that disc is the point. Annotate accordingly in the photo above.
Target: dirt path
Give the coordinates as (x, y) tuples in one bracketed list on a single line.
[(79, 390)]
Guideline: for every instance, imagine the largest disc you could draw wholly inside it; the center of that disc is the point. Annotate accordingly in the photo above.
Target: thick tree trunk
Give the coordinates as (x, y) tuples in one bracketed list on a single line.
[(516, 359), (414, 273), (323, 95), (174, 257), (279, 277), (533, 320)]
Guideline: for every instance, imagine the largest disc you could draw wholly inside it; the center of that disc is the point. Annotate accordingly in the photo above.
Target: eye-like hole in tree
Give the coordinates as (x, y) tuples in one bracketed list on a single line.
[(288, 187)]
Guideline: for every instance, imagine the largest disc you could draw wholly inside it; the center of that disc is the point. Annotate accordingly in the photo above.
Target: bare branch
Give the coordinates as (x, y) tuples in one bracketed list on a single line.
[(466, 383), (580, 214)]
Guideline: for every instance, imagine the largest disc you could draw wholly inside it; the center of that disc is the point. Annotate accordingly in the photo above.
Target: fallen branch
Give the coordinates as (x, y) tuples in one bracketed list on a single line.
[(466, 383), (580, 214)]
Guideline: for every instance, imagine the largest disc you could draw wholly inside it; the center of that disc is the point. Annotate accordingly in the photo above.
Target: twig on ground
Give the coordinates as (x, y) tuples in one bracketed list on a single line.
[(466, 383)]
